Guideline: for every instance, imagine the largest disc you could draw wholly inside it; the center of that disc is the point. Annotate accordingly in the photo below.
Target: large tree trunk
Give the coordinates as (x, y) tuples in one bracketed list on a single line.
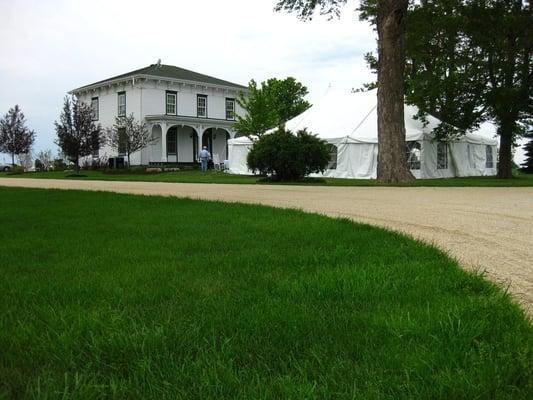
[(505, 159), (391, 24), (13, 159)]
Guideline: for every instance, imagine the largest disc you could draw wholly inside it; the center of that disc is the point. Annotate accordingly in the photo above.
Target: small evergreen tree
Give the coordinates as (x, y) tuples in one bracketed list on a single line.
[(77, 134), (15, 137), (527, 165)]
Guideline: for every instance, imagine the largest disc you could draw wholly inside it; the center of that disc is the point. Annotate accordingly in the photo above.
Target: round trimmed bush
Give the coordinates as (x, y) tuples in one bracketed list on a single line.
[(285, 156)]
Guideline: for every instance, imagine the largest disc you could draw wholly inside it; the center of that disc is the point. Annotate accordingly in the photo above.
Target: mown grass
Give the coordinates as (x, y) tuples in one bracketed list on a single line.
[(118, 296), (195, 176)]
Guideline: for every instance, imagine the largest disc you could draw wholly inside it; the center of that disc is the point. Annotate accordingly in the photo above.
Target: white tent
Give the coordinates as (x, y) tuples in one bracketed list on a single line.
[(348, 121)]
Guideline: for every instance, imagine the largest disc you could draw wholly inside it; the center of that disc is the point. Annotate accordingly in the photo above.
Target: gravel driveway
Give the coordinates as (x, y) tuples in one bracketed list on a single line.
[(488, 229)]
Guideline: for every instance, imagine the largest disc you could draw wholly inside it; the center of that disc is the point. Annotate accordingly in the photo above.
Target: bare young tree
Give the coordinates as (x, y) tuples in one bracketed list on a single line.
[(128, 136), (77, 134), (15, 137), (46, 158)]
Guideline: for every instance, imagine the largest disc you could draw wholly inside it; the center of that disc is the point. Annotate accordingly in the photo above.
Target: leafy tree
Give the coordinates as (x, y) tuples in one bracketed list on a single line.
[(527, 165), (128, 135), (469, 61), (286, 156), (77, 134), (271, 105), (15, 137), (443, 74), (389, 16)]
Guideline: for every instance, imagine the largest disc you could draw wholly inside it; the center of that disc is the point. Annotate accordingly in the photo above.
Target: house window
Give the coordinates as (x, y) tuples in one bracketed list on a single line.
[(201, 103), (96, 142), (94, 108), (171, 103), (122, 142), (442, 155), (230, 108), (332, 164), (172, 141), (122, 104), (489, 157), (413, 150)]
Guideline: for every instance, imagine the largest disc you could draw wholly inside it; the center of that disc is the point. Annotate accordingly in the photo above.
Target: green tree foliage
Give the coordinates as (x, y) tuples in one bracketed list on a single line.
[(469, 61), (270, 105), (285, 156), (77, 134), (15, 137)]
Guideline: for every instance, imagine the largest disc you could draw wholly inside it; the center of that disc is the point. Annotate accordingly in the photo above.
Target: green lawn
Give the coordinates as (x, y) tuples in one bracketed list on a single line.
[(195, 176), (132, 297)]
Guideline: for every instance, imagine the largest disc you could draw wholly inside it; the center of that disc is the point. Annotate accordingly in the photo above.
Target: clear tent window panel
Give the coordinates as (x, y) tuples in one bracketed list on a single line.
[(413, 151), (442, 155), (489, 157), (333, 153)]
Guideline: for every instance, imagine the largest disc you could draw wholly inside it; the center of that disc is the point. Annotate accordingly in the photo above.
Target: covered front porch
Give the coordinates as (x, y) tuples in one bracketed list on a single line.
[(178, 140)]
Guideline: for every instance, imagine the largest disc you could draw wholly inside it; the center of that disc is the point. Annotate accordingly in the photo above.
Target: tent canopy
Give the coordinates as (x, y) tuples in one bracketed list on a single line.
[(341, 113)]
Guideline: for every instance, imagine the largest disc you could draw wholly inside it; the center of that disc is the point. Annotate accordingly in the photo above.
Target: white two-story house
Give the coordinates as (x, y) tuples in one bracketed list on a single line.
[(184, 110)]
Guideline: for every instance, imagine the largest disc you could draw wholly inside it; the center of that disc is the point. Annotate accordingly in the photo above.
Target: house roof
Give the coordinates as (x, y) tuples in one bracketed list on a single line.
[(168, 71)]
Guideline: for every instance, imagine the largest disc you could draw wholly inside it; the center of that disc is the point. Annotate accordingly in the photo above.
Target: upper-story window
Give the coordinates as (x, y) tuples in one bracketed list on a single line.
[(201, 105), (121, 104), (94, 108), (171, 103), (442, 155), (230, 108)]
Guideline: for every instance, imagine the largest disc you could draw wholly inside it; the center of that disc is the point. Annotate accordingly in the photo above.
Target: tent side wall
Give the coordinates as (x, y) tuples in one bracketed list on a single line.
[(462, 159), (238, 153), (429, 163), (354, 160)]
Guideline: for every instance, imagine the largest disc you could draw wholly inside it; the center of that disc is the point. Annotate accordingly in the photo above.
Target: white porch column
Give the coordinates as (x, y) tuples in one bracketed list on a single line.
[(200, 130), (163, 142), (231, 133)]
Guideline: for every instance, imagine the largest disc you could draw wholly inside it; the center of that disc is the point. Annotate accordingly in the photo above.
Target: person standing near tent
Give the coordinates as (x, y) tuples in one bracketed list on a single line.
[(205, 156)]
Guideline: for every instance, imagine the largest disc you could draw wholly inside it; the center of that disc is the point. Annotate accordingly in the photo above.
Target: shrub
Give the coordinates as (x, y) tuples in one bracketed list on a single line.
[(59, 165), (100, 163), (16, 170), (39, 165), (285, 156)]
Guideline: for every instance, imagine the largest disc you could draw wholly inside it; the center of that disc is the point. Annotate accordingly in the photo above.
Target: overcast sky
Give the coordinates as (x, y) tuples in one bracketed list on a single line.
[(49, 47)]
